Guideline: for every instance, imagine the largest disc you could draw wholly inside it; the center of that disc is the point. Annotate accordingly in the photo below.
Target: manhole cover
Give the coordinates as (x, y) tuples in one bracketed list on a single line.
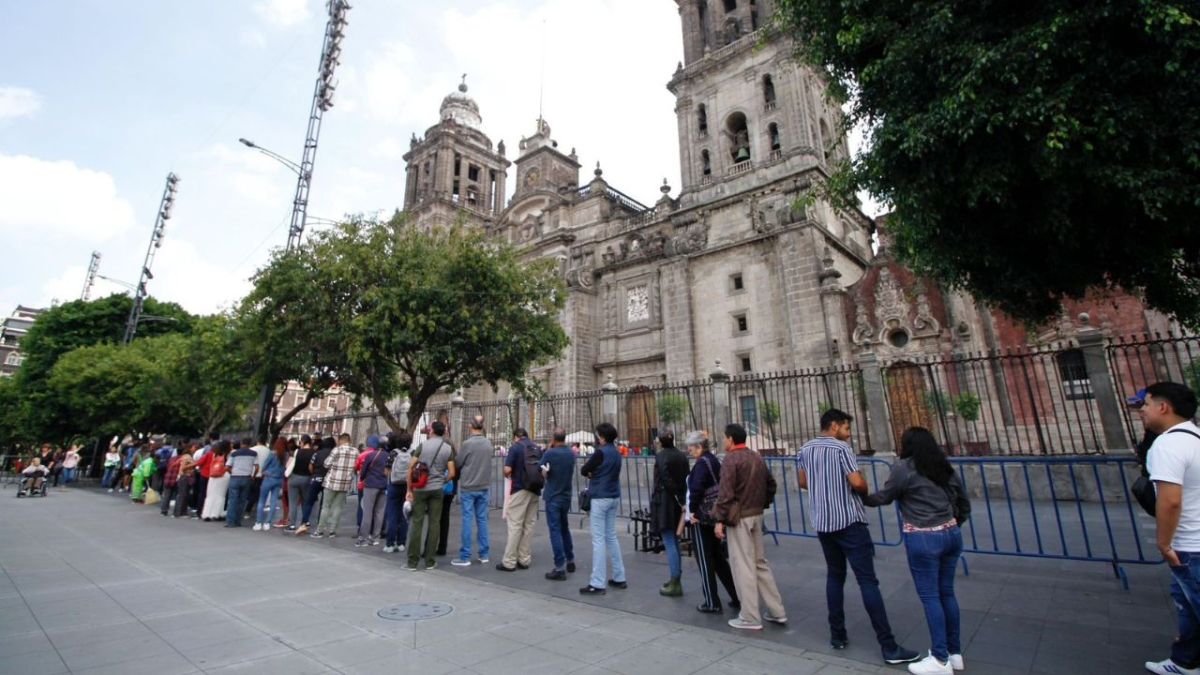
[(415, 611)]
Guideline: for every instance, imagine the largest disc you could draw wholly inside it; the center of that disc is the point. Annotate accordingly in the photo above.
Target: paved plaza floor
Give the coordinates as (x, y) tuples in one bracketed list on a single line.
[(94, 584)]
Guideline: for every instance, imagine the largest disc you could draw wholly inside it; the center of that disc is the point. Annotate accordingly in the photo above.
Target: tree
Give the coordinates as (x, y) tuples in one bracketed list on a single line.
[(208, 378), (292, 327), (65, 328), (437, 311), (671, 409), (1062, 129)]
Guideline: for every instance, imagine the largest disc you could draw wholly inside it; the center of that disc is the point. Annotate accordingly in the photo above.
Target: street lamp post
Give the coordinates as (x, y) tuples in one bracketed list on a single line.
[(156, 237), (331, 54)]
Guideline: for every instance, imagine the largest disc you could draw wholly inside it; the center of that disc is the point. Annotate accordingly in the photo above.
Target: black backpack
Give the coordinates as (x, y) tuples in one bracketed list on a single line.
[(1143, 488), (533, 479)]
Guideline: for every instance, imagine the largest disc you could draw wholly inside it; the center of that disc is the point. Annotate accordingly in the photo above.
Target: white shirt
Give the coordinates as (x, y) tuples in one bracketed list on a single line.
[(1175, 458), (262, 451)]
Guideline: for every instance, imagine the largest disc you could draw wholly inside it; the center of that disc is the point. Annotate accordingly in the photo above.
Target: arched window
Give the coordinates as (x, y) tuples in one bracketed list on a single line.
[(823, 141), (702, 119), (773, 133), (706, 162), (1073, 370), (730, 5), (738, 130), (768, 90)]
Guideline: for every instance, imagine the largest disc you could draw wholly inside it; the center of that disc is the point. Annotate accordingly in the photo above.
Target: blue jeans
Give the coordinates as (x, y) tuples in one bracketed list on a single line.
[(315, 488), (604, 540), (394, 522), (560, 532), (271, 488), (68, 476), (674, 562), (109, 473), (932, 559), (474, 511), (853, 545), (239, 488), (1185, 591)]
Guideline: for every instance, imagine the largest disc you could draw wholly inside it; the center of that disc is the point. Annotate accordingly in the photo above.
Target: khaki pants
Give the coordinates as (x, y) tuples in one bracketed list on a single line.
[(522, 514), (751, 574)]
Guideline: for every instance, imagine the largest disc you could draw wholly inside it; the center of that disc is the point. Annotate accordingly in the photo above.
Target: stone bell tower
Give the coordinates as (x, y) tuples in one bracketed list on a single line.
[(747, 112), (453, 172)]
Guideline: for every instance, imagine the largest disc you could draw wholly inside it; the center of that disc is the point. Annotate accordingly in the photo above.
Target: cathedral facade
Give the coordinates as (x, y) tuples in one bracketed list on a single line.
[(744, 265), (740, 266)]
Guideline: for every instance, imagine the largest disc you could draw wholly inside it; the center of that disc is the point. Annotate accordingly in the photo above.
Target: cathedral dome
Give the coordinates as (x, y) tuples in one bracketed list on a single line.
[(462, 109)]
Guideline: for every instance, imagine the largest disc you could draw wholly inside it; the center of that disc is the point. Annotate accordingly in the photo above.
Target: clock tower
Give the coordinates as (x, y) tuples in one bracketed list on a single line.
[(541, 166)]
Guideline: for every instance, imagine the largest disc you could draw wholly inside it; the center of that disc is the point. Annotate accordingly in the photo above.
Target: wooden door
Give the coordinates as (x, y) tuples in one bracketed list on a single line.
[(907, 400), (642, 418)]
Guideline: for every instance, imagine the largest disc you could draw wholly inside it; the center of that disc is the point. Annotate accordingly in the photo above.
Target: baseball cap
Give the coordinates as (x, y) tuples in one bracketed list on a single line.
[(1138, 399)]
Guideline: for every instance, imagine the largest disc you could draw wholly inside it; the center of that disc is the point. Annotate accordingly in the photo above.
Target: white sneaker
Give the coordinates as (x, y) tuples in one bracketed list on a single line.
[(956, 661), (1169, 667), (387, 549), (460, 563), (483, 561), (400, 548), (930, 666), (110, 489)]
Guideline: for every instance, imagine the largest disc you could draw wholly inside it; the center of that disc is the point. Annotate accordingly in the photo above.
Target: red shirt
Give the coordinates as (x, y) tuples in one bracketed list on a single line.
[(172, 476), (205, 464)]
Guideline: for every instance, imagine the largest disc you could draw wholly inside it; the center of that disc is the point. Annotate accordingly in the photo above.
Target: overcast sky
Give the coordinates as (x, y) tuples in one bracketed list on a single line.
[(99, 99)]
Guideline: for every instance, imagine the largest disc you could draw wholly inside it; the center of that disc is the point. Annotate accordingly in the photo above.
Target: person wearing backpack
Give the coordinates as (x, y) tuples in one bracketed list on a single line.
[(1174, 463), (431, 466), (522, 467), (395, 524), (475, 458)]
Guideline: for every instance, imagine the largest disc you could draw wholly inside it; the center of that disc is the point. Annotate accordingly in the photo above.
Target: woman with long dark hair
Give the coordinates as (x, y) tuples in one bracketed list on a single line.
[(932, 505), (272, 485)]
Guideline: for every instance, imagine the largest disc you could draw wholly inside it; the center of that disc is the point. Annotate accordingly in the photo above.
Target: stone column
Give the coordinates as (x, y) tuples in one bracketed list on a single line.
[(608, 401), (1091, 343), (720, 394), (458, 419), (877, 418)]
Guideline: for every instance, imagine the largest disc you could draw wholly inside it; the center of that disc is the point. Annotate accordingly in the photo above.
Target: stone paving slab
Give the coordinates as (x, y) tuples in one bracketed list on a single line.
[(90, 583)]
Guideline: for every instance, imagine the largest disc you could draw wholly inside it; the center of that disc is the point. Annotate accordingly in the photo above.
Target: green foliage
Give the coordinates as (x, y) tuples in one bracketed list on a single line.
[(1063, 129), (64, 328), (1191, 375), (391, 310), (967, 405), (824, 407), (771, 412), (671, 408), (937, 402)]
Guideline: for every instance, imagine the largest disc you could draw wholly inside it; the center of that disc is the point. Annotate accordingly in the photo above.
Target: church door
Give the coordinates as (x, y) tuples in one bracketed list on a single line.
[(642, 418), (906, 398)]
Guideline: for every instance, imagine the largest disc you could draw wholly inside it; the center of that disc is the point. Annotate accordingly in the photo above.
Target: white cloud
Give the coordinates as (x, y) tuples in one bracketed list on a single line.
[(387, 85), (249, 172), (67, 286), (253, 38), (282, 13), (18, 102), (183, 274), (59, 198)]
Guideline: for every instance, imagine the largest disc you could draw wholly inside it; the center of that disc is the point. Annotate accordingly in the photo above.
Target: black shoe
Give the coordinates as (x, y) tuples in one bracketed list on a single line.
[(556, 575), (708, 609), (735, 605), (591, 590), (502, 568), (838, 643), (618, 584), (901, 655), (571, 567), (522, 567), (228, 525)]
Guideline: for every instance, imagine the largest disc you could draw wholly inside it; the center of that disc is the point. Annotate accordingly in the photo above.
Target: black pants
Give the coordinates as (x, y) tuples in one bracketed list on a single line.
[(714, 564), (180, 491), (252, 499), (200, 492), (444, 526)]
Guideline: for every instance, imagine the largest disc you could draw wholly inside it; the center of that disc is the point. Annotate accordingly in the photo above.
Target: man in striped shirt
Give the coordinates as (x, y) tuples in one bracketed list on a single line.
[(826, 467)]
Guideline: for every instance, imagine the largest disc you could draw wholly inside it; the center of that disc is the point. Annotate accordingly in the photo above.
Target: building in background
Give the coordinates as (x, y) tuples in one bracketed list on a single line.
[(12, 330)]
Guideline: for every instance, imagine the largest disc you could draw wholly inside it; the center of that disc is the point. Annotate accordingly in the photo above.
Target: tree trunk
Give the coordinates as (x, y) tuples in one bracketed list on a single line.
[(276, 426)]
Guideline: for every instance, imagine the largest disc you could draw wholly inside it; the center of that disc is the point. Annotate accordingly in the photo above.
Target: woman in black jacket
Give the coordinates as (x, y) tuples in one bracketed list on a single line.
[(666, 506), (710, 552)]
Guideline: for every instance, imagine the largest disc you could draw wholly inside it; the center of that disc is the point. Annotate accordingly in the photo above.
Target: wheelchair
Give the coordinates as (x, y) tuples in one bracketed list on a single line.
[(23, 489)]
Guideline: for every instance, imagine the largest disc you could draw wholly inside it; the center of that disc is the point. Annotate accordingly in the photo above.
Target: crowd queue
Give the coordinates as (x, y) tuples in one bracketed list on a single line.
[(405, 493)]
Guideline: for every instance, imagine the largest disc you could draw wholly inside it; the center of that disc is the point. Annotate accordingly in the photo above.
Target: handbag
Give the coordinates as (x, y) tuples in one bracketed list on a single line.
[(420, 472), (1143, 492), (585, 500)]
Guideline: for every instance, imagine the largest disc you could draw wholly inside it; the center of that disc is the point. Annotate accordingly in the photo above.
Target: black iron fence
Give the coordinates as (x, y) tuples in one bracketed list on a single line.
[(1140, 361), (782, 411)]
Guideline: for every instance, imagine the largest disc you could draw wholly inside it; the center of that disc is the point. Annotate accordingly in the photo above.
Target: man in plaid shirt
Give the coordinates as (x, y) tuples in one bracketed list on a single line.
[(338, 481)]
